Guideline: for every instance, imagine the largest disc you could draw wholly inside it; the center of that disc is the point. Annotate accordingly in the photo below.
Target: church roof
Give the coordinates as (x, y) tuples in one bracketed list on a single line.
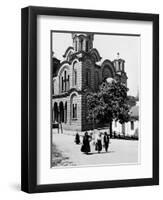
[(69, 49)]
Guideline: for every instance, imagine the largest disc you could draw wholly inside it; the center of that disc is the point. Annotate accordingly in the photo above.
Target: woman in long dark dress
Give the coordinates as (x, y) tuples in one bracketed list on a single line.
[(86, 146), (106, 141)]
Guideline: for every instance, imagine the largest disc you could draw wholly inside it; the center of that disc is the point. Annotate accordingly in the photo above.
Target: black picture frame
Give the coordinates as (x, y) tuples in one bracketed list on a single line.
[(29, 99)]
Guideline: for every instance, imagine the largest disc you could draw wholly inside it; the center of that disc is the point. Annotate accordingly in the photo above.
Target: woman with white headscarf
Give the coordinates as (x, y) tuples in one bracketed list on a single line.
[(98, 140)]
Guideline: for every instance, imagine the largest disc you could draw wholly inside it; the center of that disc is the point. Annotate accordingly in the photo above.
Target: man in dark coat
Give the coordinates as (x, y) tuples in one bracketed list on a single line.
[(106, 141)]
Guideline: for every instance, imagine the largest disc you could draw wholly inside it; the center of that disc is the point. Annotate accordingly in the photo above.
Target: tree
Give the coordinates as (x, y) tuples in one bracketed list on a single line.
[(132, 100), (109, 103)]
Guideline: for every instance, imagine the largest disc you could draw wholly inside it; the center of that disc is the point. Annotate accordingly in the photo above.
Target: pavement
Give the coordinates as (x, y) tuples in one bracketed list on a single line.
[(119, 152)]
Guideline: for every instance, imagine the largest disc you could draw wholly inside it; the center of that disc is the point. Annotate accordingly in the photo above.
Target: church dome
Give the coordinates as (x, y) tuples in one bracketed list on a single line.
[(82, 41)]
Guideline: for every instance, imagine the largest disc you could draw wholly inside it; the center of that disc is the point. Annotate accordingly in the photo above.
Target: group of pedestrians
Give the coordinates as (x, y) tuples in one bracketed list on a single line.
[(100, 140)]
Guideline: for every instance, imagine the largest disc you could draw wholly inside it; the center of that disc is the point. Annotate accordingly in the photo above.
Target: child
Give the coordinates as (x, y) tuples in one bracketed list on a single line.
[(77, 138)]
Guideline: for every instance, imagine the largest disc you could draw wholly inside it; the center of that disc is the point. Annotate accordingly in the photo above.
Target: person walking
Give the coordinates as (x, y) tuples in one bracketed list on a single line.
[(77, 138), (106, 141), (98, 145), (85, 148)]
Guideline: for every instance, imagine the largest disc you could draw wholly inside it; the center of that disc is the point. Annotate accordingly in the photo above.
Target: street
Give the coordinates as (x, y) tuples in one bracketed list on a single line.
[(66, 153)]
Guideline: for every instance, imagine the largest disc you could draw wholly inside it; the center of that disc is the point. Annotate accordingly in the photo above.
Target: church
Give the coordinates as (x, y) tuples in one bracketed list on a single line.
[(81, 71)]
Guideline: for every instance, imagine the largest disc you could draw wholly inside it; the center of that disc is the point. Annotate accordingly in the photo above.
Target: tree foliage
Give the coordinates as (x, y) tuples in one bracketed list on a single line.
[(109, 103)]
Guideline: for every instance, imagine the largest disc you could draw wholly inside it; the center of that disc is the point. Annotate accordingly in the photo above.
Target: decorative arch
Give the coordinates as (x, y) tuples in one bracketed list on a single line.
[(95, 54), (64, 78), (108, 70), (82, 36), (74, 93), (64, 66)]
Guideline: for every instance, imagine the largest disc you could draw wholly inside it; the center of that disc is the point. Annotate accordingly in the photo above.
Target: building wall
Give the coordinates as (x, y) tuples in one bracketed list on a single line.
[(117, 127)]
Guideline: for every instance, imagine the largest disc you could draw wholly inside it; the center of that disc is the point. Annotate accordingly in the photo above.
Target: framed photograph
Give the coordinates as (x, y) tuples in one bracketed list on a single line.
[(90, 99)]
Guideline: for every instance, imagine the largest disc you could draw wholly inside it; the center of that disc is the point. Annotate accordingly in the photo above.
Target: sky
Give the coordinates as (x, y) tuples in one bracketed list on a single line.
[(108, 46)]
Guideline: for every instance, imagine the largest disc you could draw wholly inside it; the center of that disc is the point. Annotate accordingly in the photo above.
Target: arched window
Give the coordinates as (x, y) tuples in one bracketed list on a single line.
[(119, 63), (122, 66), (76, 45), (74, 107), (81, 44), (68, 82), (65, 120), (74, 112), (64, 81), (62, 84), (75, 77), (86, 46), (74, 74)]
